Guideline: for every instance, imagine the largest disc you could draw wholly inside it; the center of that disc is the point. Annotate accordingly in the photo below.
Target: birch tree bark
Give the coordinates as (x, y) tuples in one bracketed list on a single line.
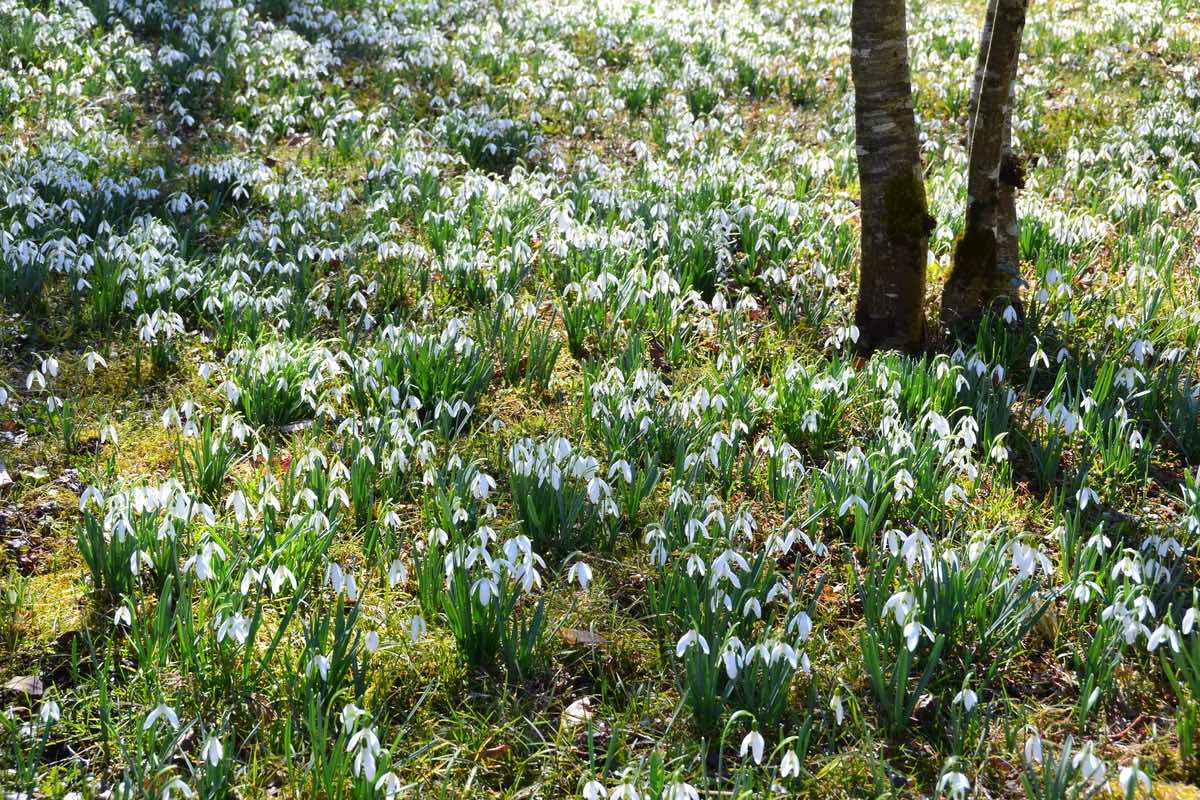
[(890, 313), (986, 271)]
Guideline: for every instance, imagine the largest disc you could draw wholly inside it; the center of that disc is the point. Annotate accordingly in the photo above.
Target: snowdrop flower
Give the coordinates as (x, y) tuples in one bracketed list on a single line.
[(176, 786), (853, 501), (1189, 621), (954, 785), (622, 468), (901, 604), (416, 628), (171, 419), (912, 635), (596, 489), (690, 638), (1097, 541), (1084, 590), (108, 434), (594, 790), (1027, 560), (681, 791), (236, 626), (341, 582), (581, 573), (835, 704), (389, 784), (92, 359), (482, 486), (753, 743), (732, 656), (967, 698), (753, 607), (1033, 749), (1128, 566), (1085, 496), (917, 548), (485, 588), (212, 751), (278, 576), (350, 715), (367, 744), (320, 664), (1163, 633), (1131, 776), (91, 495), (624, 791), (723, 568), (202, 562), (789, 766), (954, 492), (1090, 767), (50, 366), (49, 712), (165, 713), (397, 574), (231, 391), (240, 506)]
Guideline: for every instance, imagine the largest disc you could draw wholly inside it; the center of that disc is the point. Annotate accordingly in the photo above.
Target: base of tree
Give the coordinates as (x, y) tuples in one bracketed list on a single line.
[(977, 283)]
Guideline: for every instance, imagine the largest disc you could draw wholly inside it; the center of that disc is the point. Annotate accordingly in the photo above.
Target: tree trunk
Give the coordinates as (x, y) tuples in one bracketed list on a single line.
[(895, 216), (986, 271), (1008, 233)]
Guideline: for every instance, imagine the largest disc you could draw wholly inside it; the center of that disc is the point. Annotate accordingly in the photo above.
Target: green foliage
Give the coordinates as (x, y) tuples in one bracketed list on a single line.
[(276, 384)]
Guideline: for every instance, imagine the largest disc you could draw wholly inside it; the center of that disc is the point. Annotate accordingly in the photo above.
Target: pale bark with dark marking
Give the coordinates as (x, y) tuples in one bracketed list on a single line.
[(1012, 178), (895, 217), (986, 271)]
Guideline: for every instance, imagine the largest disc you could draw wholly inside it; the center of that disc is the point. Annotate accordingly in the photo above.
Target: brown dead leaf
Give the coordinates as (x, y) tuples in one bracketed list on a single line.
[(494, 753), (26, 684), (575, 636)]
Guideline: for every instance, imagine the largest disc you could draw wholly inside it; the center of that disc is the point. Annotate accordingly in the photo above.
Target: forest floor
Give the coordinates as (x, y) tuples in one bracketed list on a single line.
[(460, 399)]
